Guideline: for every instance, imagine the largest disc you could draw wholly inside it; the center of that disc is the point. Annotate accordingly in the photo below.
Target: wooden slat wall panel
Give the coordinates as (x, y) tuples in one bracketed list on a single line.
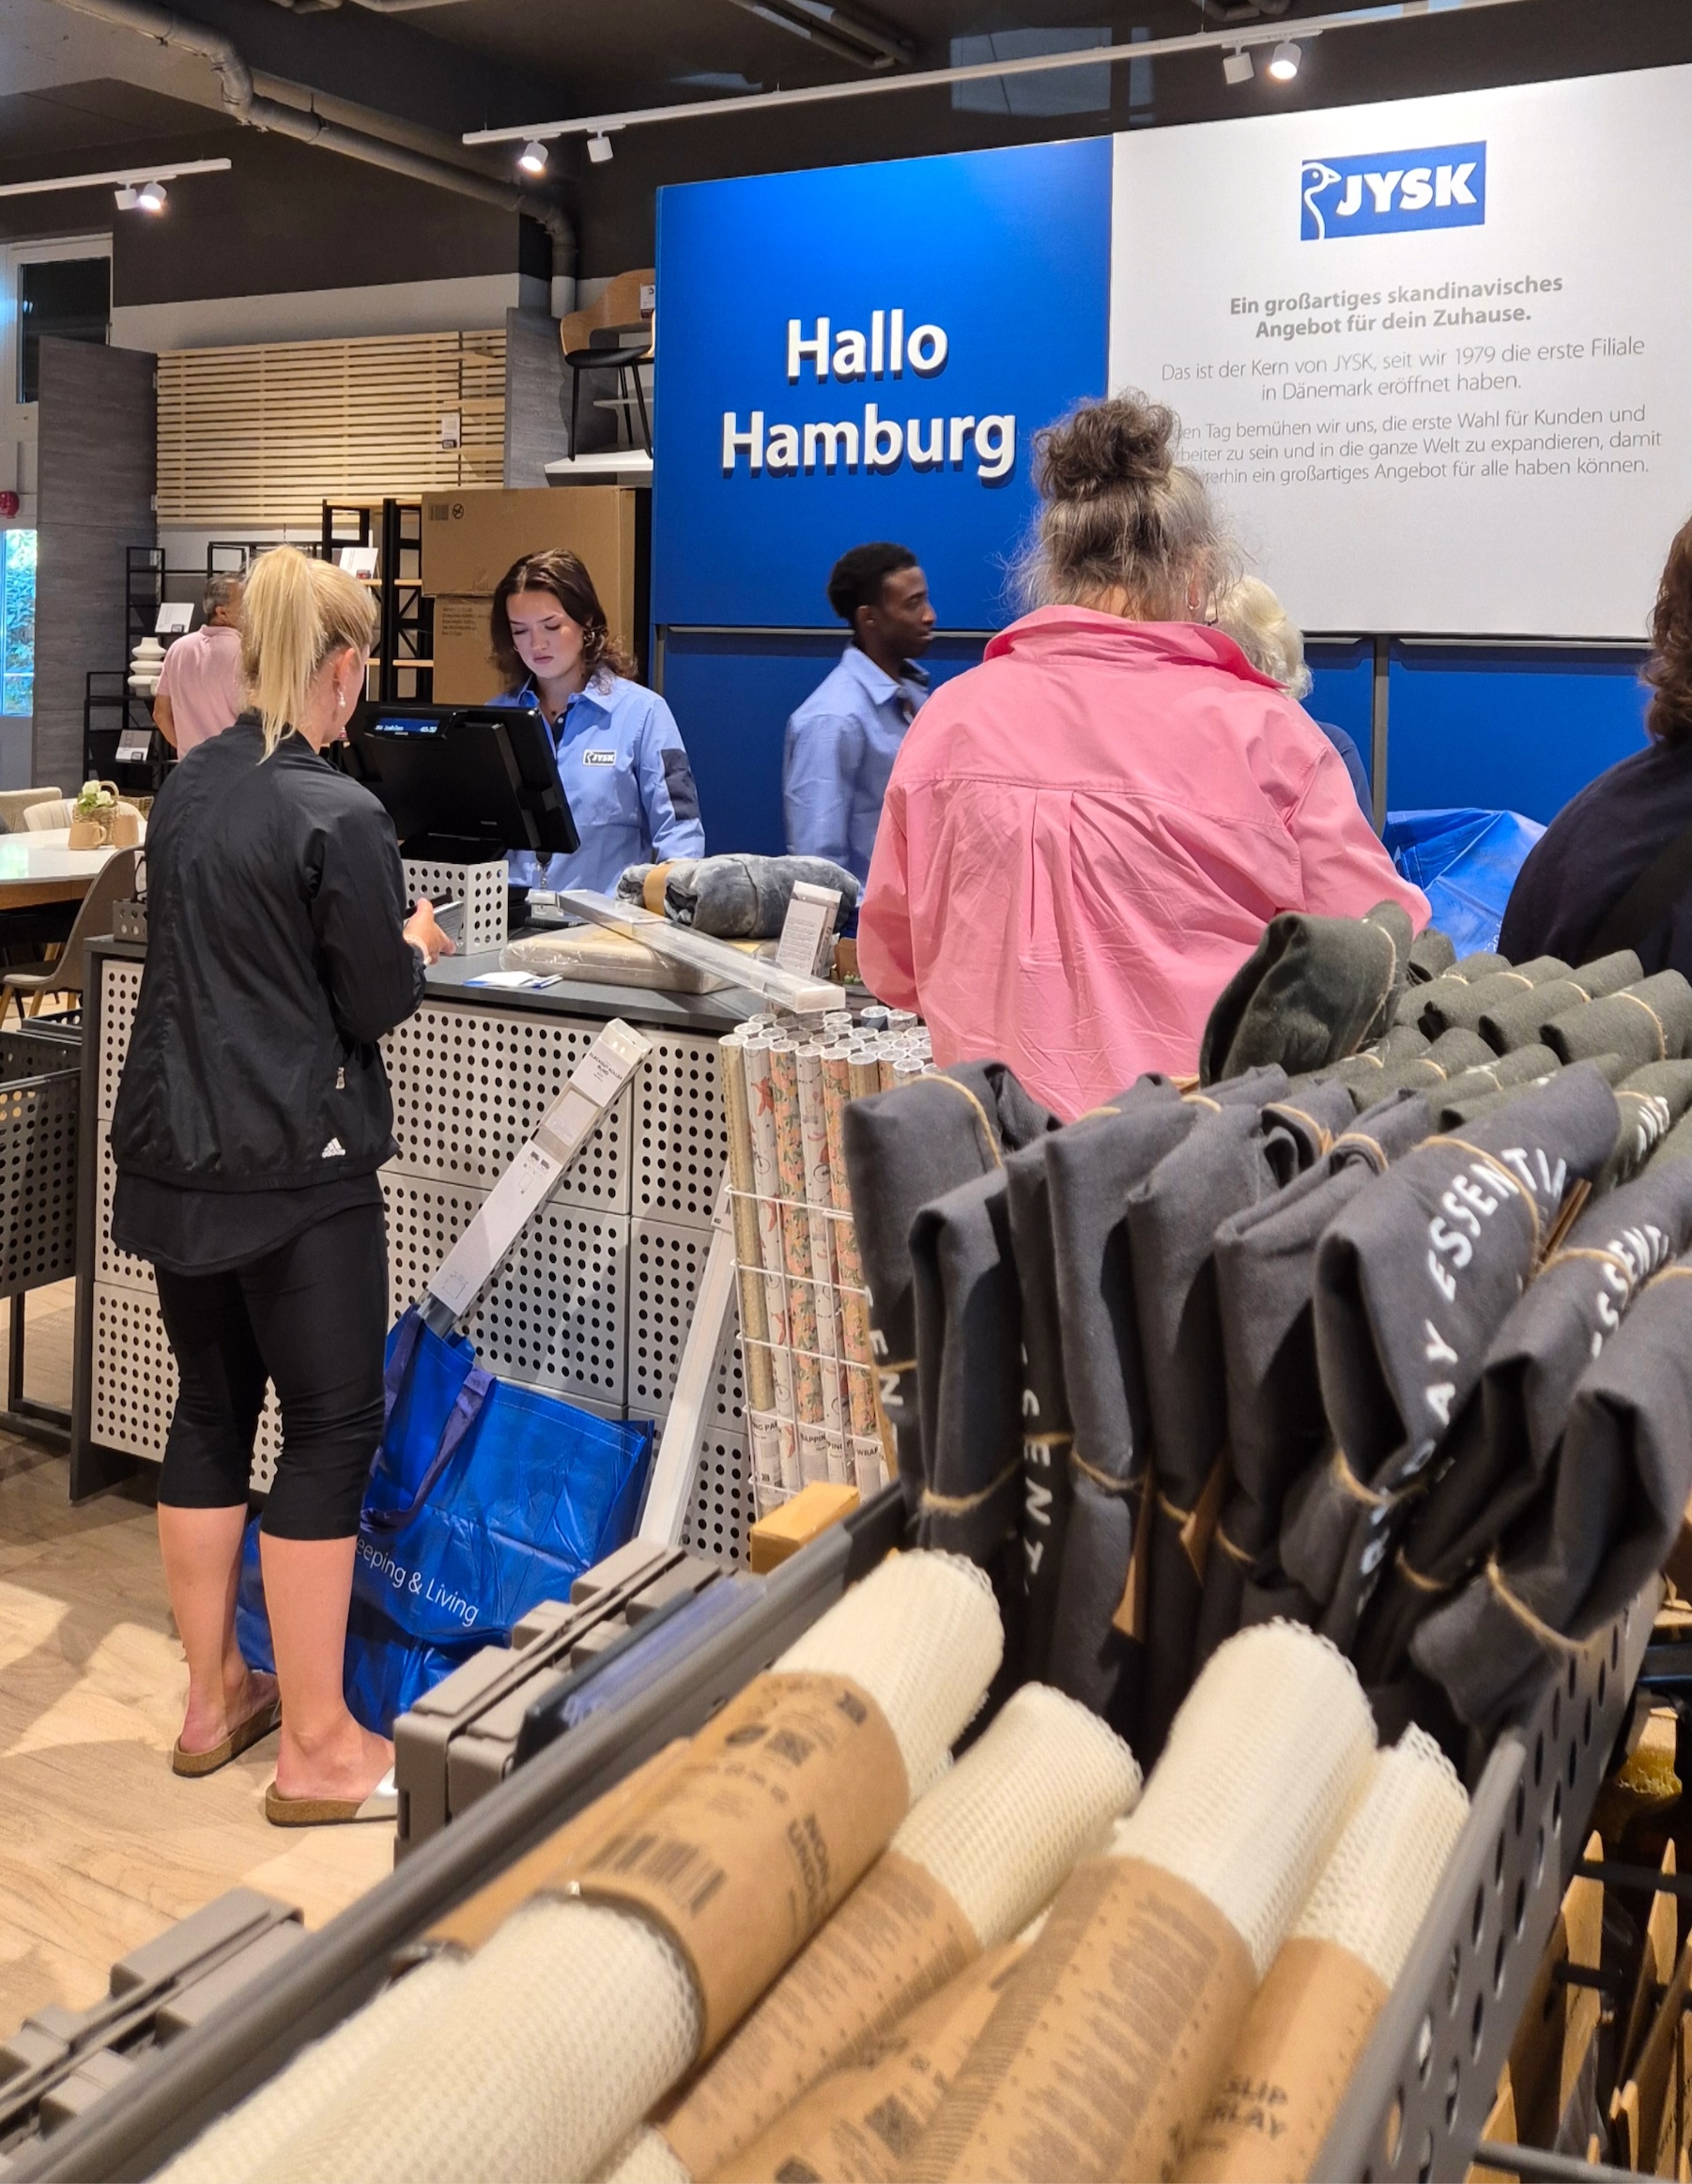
[(267, 434)]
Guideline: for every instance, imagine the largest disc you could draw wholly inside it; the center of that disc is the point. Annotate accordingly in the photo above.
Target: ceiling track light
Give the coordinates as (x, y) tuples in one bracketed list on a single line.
[(532, 158), (1283, 62), (599, 148), (150, 197), (1238, 67)]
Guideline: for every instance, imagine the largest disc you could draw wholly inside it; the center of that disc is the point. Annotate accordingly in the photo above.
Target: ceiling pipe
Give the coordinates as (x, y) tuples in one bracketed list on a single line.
[(1306, 27), (242, 99)]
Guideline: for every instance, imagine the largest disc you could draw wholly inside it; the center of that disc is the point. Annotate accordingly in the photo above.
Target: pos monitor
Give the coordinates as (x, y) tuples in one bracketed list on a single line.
[(463, 784)]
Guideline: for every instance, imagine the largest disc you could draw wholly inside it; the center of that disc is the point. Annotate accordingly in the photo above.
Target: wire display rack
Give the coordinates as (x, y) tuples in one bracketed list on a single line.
[(1420, 2096)]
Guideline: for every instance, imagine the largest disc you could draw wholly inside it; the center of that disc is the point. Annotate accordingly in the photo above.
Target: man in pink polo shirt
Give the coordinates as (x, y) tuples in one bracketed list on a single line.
[(200, 685)]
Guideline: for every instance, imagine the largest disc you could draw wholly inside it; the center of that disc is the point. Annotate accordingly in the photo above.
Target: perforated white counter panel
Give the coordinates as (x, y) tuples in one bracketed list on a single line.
[(596, 1298)]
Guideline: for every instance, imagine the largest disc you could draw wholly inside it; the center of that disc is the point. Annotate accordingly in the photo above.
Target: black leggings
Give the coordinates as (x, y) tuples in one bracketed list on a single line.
[(310, 1317)]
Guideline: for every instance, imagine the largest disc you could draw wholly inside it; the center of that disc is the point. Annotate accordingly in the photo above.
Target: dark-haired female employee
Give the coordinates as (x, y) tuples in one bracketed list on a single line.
[(619, 752)]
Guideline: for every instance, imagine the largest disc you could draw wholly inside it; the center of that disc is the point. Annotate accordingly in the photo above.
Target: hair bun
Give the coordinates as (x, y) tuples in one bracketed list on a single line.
[(1123, 440)]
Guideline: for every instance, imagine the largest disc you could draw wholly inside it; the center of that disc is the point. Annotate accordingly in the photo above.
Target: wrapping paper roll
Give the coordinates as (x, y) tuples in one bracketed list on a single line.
[(754, 1321), (819, 1200), (795, 1242)]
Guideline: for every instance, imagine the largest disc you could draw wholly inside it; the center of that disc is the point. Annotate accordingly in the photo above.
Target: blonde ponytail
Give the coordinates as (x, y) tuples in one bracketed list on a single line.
[(297, 612)]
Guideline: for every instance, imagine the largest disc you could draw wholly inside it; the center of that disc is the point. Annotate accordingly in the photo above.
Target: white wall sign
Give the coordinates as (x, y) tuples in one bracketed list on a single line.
[(1433, 355)]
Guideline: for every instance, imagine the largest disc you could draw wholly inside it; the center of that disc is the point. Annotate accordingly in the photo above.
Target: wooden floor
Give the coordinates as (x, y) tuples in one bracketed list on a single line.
[(101, 1845)]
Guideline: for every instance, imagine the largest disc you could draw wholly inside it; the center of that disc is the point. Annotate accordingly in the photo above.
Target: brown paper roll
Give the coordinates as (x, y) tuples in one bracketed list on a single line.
[(1105, 2046), (1302, 2038), (858, 2125), (559, 1860), (780, 1805), (754, 1322), (897, 1938)]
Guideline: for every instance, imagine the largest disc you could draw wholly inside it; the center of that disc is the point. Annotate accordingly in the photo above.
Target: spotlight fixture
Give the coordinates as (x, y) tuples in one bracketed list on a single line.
[(1284, 61), (532, 158), (599, 148), (128, 198), (150, 197), (1236, 66)]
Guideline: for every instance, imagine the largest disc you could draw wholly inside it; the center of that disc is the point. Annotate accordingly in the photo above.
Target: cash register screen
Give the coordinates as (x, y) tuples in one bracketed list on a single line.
[(464, 783)]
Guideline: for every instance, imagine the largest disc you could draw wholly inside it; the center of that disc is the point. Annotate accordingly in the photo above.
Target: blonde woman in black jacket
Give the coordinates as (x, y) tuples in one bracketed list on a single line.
[(251, 1118)]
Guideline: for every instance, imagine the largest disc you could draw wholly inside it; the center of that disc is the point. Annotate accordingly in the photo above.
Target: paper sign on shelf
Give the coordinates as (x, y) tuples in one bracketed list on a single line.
[(810, 917), (595, 1082)]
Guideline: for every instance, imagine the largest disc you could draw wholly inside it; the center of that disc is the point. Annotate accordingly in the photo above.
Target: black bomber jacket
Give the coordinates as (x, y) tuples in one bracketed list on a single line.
[(275, 962)]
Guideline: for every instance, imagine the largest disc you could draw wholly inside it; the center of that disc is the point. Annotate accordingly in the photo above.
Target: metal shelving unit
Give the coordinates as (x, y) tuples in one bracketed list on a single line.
[(403, 664)]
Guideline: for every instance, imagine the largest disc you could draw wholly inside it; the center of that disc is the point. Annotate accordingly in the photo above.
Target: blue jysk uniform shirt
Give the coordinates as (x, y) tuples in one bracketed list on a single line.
[(841, 744), (630, 788)]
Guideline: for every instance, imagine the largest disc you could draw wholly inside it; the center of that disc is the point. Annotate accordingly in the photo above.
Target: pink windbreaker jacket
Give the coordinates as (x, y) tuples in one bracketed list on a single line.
[(1084, 838)]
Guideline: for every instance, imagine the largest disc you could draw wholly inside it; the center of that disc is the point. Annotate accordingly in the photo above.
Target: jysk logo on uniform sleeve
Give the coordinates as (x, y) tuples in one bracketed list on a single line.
[(1393, 193)]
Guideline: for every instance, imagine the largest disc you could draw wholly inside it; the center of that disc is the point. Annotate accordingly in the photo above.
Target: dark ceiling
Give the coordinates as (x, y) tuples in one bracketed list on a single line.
[(491, 63)]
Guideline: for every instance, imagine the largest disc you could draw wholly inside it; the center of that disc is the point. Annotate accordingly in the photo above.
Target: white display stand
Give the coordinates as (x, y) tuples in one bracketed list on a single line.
[(480, 887)]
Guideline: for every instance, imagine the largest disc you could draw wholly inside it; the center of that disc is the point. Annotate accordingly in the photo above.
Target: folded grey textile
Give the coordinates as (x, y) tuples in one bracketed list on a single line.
[(1265, 1259), (1412, 1282), (1608, 974), (1499, 1455), (969, 1342), (1456, 1113), (1232, 1158), (1650, 1022), (1312, 989), (1460, 1049), (740, 896), (1090, 1168), (1047, 1433), (1480, 965), (903, 1148), (1677, 1146), (1521, 1020), (1622, 1478), (1431, 953), (1653, 1101), (1402, 1043), (1463, 1004), (1521, 1066)]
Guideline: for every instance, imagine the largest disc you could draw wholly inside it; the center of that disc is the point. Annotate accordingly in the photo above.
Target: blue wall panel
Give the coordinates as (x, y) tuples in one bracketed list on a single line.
[(1004, 256), (1344, 693), (1506, 731), (732, 697)]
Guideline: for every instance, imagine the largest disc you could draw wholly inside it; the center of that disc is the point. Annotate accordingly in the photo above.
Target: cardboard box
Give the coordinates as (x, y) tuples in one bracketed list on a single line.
[(465, 673), (626, 301), (472, 536)]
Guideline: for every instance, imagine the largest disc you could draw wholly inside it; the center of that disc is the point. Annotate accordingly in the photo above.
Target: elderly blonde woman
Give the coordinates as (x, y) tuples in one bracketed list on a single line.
[(1252, 615)]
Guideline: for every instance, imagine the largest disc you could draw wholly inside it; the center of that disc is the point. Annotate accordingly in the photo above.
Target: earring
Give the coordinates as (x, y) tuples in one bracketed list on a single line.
[(340, 701)]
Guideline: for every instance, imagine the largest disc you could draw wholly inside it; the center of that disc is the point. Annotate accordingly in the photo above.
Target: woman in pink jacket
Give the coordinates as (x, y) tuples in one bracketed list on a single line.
[(1083, 837)]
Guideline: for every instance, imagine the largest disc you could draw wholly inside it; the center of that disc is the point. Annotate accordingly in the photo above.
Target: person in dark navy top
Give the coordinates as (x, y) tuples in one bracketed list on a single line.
[(1605, 837), (620, 753)]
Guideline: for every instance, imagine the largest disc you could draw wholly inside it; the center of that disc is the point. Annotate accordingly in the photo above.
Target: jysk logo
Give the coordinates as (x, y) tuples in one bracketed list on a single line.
[(1393, 193)]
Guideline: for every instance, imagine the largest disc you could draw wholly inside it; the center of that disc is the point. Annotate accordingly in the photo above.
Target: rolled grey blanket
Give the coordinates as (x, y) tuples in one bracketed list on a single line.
[(735, 898), (1608, 974), (1519, 1020), (1650, 1021), (1312, 990), (1431, 955), (1459, 1003), (1460, 1049)]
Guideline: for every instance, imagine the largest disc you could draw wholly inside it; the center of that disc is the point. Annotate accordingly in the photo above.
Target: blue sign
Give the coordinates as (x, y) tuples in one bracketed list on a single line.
[(1392, 192), (865, 353)]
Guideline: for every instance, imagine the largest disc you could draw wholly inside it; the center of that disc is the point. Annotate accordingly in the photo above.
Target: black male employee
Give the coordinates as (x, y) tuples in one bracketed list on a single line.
[(842, 740)]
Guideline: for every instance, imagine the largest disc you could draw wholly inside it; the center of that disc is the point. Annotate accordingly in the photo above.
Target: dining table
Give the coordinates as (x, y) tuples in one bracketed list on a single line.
[(43, 868)]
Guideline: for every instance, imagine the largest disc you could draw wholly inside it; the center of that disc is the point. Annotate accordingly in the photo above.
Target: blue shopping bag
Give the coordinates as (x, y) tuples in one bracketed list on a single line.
[(485, 1498), (1464, 863)]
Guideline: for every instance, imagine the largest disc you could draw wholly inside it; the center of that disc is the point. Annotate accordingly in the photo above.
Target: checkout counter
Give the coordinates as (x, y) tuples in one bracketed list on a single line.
[(594, 1302)]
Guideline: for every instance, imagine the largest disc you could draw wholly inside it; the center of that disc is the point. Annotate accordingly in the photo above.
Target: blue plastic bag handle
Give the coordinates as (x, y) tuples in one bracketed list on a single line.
[(465, 1412)]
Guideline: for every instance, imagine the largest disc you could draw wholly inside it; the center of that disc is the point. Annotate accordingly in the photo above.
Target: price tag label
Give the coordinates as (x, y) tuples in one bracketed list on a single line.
[(809, 923)]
